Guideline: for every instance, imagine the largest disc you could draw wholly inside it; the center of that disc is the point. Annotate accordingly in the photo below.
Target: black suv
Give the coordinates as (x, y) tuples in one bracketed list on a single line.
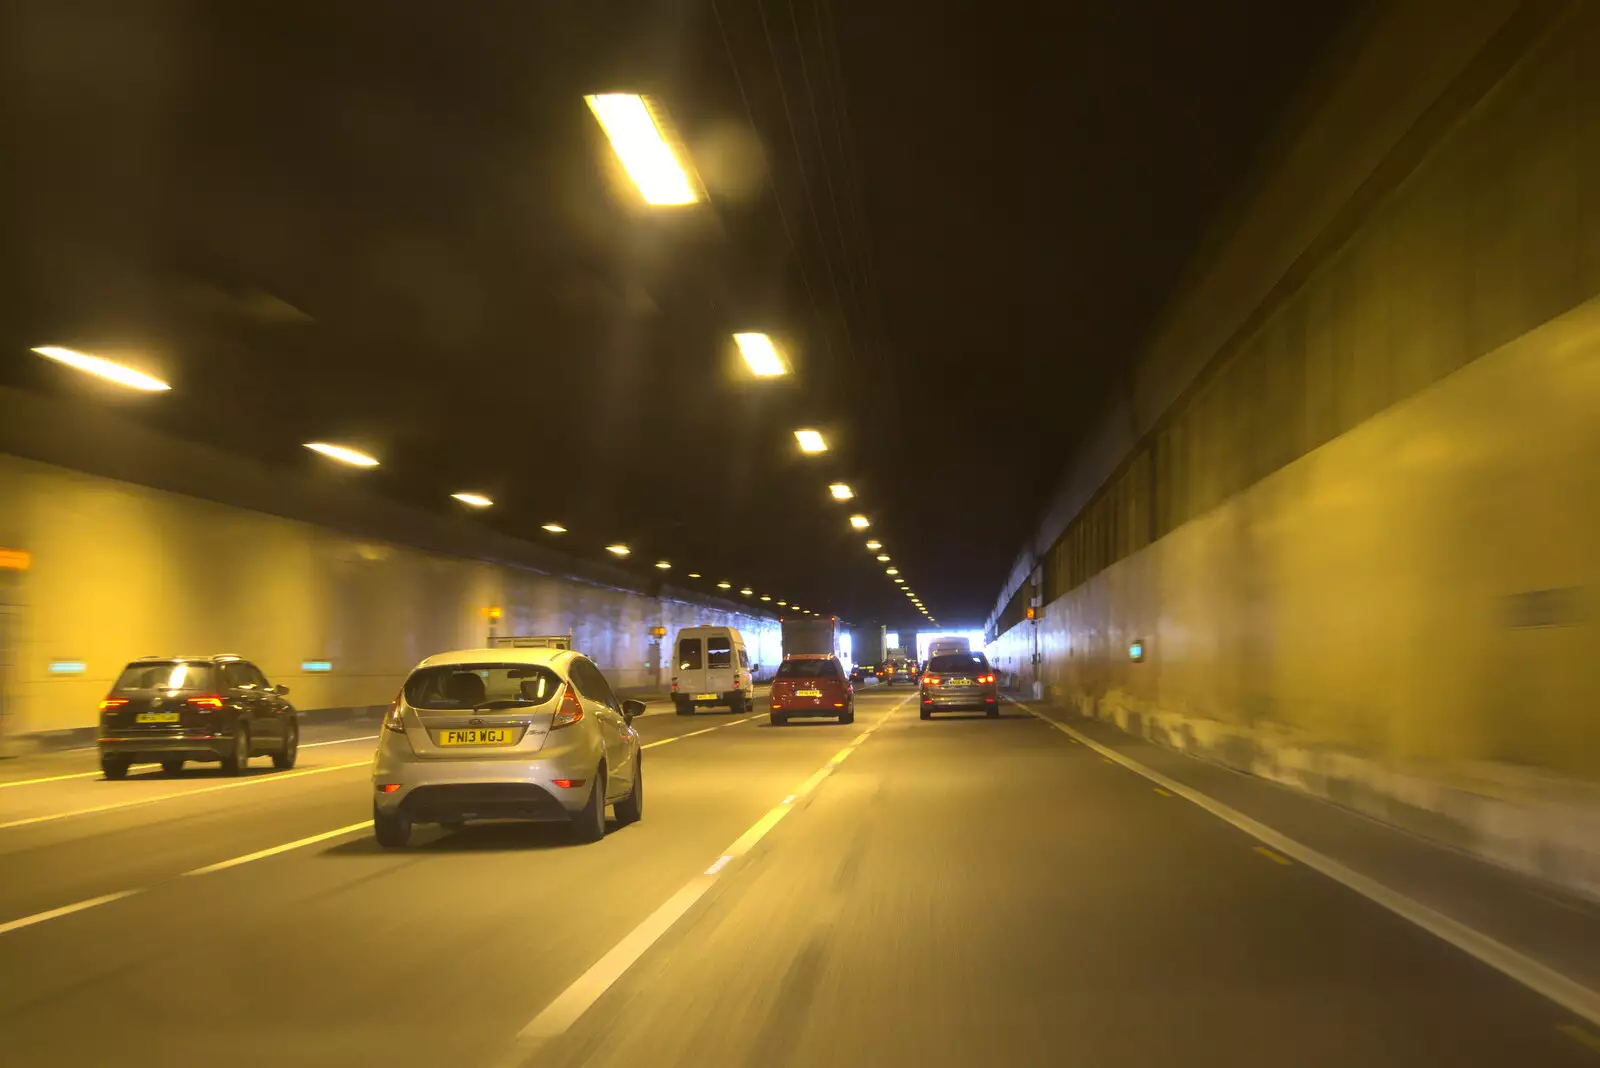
[(168, 709)]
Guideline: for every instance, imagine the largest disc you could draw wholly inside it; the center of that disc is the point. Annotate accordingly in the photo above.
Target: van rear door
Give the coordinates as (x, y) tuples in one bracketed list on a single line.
[(689, 669), (721, 667)]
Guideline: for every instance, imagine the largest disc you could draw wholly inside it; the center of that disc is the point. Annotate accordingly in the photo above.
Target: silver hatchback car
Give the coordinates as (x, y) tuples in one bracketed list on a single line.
[(532, 734), (959, 680)]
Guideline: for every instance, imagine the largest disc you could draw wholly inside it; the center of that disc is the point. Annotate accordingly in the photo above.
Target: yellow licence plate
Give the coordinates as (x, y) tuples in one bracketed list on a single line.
[(156, 717), (808, 693), (705, 697), (477, 736)]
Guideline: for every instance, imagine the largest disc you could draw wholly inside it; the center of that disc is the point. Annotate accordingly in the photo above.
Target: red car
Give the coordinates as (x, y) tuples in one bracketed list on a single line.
[(812, 685)]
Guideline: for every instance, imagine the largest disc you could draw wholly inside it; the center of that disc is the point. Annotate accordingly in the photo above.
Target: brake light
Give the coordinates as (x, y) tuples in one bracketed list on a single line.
[(570, 712), (567, 784), (986, 679), (394, 719), (932, 680), (112, 702), (390, 787), (206, 701)]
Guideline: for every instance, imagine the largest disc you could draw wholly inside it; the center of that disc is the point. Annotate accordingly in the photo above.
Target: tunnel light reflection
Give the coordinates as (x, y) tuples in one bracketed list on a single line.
[(103, 368), (761, 355), (476, 500), (345, 455), (637, 140)]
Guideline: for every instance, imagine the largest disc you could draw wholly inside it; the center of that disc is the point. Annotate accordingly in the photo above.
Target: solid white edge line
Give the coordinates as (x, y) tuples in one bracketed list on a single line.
[(1565, 991), (559, 1015), (66, 910), (92, 774)]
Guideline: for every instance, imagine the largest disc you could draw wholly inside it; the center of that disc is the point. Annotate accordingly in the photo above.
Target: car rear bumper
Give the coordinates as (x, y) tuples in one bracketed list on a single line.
[(444, 802), (828, 709), (984, 699), (168, 747), (718, 699), (499, 787)]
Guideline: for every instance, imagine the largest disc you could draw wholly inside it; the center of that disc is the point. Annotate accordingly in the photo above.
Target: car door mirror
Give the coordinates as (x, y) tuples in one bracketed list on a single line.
[(281, 690), (632, 709)]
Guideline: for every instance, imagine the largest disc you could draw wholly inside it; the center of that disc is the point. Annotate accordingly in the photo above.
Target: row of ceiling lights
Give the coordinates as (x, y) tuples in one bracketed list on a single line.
[(632, 125), (122, 375)]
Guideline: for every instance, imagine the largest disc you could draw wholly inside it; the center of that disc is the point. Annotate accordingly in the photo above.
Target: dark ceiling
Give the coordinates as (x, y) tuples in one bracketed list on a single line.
[(396, 225)]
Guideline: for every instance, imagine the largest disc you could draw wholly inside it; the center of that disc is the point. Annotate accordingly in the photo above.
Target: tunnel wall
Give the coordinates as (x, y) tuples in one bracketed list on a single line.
[(120, 570), (1359, 539)]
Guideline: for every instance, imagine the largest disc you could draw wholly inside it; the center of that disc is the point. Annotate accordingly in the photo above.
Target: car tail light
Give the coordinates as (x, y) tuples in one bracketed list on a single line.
[(932, 680), (112, 702), (567, 784), (394, 719), (390, 787), (209, 700), (570, 712), (986, 679), (674, 685)]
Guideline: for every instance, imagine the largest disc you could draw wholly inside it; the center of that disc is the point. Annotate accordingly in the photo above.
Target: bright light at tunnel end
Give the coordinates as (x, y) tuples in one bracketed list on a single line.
[(344, 454), (101, 367)]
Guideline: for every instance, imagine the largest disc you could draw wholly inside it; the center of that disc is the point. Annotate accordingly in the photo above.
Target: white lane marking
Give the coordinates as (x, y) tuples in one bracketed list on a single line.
[(224, 865), (555, 1018), (1536, 976), (93, 774), (691, 734), (135, 801), (66, 910)]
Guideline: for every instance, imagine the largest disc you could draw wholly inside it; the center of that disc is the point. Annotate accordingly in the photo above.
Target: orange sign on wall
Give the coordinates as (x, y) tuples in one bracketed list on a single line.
[(15, 560)]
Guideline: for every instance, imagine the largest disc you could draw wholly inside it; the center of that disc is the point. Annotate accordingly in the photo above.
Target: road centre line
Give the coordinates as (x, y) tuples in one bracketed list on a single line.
[(1535, 975), (561, 1013)]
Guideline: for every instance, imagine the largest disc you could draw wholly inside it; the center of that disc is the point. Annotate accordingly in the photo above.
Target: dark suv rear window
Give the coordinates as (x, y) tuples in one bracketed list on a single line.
[(166, 675), (809, 669), (957, 663), (484, 686)]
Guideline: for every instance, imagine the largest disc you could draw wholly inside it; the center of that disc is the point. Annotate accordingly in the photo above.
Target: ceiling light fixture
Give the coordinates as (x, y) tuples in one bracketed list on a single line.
[(353, 457), (761, 355), (841, 492), (101, 367), (662, 565), (637, 140), (860, 522), (891, 571), (554, 528), (766, 597), (811, 441), (883, 558), (476, 500), (874, 545), (747, 591), (618, 550), (724, 585)]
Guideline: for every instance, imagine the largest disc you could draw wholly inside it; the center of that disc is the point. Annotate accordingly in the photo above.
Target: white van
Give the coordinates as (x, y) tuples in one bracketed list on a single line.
[(711, 667)]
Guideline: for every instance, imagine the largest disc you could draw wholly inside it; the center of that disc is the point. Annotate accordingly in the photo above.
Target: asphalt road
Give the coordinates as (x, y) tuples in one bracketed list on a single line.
[(963, 891)]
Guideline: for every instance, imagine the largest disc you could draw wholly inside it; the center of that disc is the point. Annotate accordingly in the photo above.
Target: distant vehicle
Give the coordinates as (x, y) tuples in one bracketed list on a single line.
[(532, 641), (945, 646), (809, 636), (860, 673), (896, 670), (869, 643), (809, 684), (711, 667), (169, 709), (959, 680), (533, 734)]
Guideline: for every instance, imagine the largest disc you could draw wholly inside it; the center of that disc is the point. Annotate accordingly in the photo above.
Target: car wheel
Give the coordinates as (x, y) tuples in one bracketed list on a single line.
[(172, 767), (114, 767), (239, 757), (848, 715), (391, 829), (630, 808), (993, 711), (685, 708), (285, 759), (778, 721), (927, 713), (737, 705), (589, 822)]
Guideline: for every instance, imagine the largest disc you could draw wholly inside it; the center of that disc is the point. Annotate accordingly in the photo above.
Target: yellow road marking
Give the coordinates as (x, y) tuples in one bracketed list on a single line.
[(1273, 855), (136, 801), (1581, 1036)]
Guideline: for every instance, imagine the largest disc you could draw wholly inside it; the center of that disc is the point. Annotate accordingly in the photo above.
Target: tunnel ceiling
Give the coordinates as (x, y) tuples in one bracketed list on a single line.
[(396, 225)]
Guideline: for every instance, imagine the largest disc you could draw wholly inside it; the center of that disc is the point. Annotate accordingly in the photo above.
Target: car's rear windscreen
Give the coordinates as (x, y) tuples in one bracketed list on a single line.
[(959, 663), (688, 654), (809, 669), (452, 687), (165, 675)]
